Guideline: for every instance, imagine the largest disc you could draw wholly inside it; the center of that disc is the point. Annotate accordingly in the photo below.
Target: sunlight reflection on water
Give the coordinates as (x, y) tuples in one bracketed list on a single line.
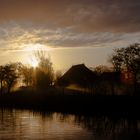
[(15, 124)]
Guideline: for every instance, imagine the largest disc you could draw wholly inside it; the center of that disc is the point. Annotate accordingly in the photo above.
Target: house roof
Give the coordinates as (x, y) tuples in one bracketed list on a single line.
[(78, 74)]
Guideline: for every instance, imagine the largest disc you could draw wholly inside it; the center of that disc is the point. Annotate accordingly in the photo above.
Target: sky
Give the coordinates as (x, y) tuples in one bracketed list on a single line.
[(70, 31)]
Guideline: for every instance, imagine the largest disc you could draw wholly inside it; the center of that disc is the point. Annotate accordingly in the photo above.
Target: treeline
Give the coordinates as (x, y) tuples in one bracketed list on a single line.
[(124, 76), (18, 74), (125, 62)]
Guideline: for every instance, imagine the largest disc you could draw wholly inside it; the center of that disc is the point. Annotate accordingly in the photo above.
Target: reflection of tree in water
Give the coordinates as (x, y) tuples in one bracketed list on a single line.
[(101, 127), (104, 127), (110, 128)]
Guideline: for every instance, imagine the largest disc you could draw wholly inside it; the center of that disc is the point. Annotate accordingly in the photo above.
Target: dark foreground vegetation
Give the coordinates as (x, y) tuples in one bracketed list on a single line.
[(106, 90), (72, 102)]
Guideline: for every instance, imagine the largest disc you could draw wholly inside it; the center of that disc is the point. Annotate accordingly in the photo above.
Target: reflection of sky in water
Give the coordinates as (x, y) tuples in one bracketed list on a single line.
[(17, 124), (28, 125)]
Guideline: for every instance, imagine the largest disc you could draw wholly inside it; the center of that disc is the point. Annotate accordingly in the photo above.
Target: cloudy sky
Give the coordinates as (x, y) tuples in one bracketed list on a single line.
[(72, 31)]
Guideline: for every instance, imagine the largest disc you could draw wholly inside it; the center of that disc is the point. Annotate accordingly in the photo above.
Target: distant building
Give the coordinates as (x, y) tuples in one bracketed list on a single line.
[(81, 77), (78, 75)]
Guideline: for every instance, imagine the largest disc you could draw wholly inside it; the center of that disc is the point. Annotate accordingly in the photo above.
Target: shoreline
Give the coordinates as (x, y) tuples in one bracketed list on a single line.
[(73, 103)]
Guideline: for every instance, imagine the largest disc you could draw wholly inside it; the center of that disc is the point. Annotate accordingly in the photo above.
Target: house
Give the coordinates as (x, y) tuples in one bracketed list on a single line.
[(81, 77), (78, 75)]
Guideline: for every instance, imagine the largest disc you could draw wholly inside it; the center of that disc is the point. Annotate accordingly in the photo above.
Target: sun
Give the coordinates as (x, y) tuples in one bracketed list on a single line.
[(30, 49), (34, 63)]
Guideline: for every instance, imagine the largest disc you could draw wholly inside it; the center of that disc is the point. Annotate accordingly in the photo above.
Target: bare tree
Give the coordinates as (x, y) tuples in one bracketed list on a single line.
[(101, 68), (44, 71), (27, 74)]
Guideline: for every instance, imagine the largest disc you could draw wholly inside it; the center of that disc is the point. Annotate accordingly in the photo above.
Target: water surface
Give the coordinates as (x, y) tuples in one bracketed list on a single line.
[(25, 124)]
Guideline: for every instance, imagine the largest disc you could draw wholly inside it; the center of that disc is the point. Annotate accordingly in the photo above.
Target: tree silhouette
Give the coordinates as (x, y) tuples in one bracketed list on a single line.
[(44, 71), (128, 59), (117, 59), (10, 75), (27, 74), (101, 68), (2, 74)]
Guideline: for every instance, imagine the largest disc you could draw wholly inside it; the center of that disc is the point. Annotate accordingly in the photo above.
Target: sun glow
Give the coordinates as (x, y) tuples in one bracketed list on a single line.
[(34, 63), (31, 49), (36, 47)]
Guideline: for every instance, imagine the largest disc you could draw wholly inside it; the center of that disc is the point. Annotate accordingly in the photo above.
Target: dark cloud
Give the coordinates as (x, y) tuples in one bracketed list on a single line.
[(81, 15), (14, 36)]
